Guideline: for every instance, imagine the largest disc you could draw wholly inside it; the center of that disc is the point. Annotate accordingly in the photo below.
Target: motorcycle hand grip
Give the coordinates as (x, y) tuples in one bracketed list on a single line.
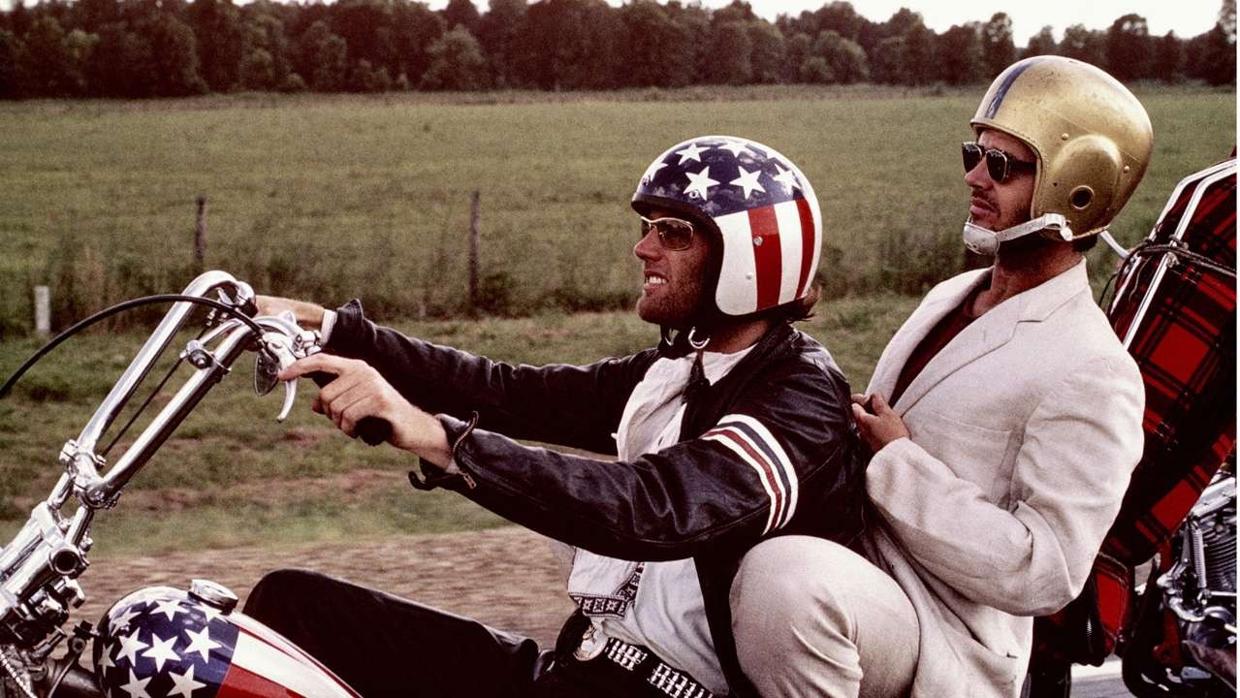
[(371, 430)]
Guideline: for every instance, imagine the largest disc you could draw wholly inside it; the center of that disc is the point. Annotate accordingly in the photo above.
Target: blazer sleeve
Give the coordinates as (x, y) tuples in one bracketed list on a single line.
[(577, 406), (1079, 448), (785, 444)]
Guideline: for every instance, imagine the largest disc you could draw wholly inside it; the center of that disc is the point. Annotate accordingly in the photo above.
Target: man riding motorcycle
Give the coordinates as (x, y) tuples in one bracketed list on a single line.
[(734, 429)]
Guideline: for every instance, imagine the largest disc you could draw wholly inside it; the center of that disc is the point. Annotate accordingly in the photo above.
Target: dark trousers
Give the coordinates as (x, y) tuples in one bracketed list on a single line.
[(383, 645)]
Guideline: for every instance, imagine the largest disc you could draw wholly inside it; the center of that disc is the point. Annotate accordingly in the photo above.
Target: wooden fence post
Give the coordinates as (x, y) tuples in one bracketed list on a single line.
[(42, 311), (475, 245), (200, 236)]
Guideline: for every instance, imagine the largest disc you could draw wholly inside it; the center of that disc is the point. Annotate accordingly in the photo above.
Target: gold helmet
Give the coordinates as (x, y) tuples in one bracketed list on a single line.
[(1091, 136)]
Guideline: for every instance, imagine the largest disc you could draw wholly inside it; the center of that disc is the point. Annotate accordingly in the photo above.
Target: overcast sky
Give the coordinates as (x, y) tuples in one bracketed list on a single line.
[(1187, 18)]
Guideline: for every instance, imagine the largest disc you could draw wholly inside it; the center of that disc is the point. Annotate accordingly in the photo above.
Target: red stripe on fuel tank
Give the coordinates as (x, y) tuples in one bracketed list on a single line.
[(240, 683), (768, 260), (258, 631), (809, 246)]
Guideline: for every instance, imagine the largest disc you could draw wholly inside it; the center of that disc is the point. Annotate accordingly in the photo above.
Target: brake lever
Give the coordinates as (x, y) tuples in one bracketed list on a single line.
[(371, 430), (290, 396), (279, 347)]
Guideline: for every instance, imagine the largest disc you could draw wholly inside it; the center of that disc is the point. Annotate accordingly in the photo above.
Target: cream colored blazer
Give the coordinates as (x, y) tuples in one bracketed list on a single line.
[(1024, 431)]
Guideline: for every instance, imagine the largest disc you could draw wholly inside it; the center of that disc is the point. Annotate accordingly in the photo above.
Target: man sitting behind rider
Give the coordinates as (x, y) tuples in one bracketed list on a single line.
[(1005, 419), (736, 428)]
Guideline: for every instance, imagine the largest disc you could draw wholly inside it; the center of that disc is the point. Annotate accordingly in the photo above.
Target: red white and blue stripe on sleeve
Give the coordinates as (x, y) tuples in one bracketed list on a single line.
[(756, 446)]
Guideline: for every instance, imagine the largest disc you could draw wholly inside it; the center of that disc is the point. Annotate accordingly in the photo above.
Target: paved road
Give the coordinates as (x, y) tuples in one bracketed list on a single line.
[(459, 572), (1099, 682)]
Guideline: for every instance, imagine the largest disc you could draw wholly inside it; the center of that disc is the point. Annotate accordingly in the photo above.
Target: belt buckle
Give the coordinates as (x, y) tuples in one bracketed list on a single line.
[(592, 644)]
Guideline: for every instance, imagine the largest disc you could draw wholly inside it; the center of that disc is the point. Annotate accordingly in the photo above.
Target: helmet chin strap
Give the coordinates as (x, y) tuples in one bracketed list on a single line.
[(692, 341), (698, 343), (695, 338), (986, 242)]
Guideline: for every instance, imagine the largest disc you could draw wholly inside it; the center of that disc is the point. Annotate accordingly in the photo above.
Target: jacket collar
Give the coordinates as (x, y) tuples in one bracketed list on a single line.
[(985, 334), (701, 411)]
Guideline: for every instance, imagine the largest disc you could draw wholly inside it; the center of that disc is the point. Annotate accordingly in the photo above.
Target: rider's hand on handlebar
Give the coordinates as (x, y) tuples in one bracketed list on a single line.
[(308, 315), (359, 391)]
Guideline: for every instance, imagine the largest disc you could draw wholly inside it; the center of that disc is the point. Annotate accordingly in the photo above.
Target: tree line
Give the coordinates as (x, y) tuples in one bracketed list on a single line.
[(167, 48)]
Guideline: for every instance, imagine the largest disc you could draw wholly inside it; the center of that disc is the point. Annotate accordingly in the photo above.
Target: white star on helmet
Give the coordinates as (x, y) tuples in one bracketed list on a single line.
[(748, 181), (700, 182), (693, 152), (786, 178), (734, 147)]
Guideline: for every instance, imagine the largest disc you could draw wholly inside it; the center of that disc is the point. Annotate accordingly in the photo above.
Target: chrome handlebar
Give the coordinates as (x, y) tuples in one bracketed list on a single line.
[(159, 340), (38, 568)]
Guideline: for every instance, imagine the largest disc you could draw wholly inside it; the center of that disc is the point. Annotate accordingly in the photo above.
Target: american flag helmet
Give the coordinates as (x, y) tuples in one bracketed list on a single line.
[(756, 202), (161, 641)]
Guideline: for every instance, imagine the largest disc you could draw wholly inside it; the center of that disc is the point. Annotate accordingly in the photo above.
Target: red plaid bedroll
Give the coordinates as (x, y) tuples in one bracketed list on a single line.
[(1175, 309)]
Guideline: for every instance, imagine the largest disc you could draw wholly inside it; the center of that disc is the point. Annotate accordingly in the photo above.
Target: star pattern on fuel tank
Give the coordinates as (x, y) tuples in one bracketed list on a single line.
[(168, 607), (122, 621), (136, 688), (161, 651), (165, 646), (130, 646), (184, 684), (201, 643)]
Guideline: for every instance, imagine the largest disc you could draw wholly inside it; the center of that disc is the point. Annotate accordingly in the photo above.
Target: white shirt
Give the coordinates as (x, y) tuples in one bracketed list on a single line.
[(655, 604)]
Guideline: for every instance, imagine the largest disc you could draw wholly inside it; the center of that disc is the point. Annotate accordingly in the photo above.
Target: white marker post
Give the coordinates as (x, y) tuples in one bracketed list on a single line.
[(42, 310)]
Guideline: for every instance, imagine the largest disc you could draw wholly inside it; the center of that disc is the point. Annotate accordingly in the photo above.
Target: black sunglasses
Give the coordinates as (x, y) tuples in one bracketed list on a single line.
[(674, 233), (999, 165)]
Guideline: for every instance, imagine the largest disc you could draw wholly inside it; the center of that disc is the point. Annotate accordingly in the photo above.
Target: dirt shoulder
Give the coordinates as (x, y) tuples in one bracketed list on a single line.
[(504, 577)]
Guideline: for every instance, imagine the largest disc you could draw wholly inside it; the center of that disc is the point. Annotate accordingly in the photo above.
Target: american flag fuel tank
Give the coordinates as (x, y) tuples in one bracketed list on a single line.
[(161, 642)]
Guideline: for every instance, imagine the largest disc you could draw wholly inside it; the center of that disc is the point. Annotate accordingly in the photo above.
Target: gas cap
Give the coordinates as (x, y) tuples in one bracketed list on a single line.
[(213, 594)]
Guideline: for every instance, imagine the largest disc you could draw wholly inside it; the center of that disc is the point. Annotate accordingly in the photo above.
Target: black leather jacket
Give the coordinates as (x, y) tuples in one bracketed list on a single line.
[(695, 499)]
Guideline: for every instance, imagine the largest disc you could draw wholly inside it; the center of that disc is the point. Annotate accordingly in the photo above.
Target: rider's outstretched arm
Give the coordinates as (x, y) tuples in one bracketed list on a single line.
[(577, 406)]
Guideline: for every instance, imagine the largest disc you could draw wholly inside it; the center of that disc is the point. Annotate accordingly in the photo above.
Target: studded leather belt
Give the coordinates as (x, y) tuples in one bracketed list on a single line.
[(642, 664)]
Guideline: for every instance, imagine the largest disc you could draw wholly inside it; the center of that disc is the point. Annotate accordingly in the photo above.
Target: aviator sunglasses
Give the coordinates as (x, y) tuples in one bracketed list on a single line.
[(999, 165), (674, 233)]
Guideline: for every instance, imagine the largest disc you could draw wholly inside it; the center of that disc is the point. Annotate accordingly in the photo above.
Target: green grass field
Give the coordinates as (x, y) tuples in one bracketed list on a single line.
[(331, 196), (233, 475)]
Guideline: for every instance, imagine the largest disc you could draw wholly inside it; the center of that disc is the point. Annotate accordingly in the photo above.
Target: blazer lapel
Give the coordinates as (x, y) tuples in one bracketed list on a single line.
[(982, 336), (991, 331), (941, 301)]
